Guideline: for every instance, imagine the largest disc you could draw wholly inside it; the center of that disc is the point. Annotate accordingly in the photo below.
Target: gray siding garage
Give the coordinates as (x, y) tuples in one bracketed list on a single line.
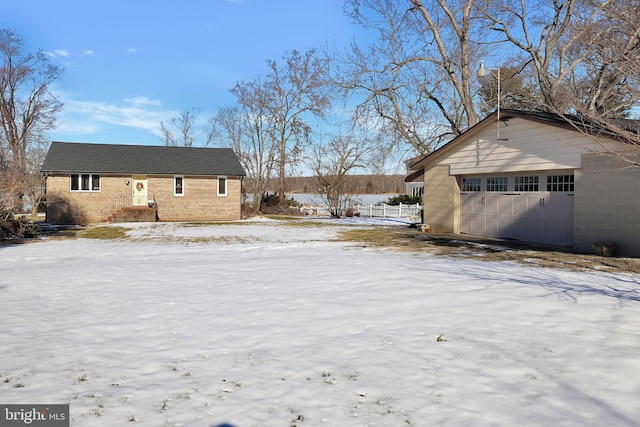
[(541, 181)]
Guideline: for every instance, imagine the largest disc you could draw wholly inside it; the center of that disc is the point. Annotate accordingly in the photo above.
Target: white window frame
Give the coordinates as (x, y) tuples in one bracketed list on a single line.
[(225, 186), (497, 184), (471, 184), (175, 178), (561, 183), (526, 183), (78, 177)]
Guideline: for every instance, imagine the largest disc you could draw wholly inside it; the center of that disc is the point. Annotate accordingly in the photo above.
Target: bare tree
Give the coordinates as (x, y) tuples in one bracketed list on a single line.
[(558, 39), (391, 102), (28, 109), (247, 129), (602, 101), (297, 91), (332, 163), (419, 76), (518, 90), (584, 54), (609, 42), (34, 180), (187, 132)]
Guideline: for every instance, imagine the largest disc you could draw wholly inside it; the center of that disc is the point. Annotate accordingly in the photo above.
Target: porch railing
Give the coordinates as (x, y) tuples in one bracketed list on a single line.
[(117, 203)]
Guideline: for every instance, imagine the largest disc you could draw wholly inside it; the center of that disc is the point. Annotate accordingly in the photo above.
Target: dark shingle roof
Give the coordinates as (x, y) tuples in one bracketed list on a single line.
[(140, 159)]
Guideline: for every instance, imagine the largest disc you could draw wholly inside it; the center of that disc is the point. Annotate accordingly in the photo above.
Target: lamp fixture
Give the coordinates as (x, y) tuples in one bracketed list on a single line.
[(482, 74)]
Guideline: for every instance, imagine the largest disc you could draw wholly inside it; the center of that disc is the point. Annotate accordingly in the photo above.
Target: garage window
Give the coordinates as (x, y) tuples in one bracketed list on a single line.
[(526, 183), (562, 183), (470, 184), (497, 183)]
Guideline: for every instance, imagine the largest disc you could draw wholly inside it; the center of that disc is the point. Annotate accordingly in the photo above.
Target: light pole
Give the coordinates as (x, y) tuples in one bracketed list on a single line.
[(482, 74)]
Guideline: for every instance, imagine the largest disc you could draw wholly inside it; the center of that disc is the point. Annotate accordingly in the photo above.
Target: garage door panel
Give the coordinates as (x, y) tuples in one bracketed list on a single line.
[(492, 204), (492, 224), (478, 205), (538, 218), (504, 228), (531, 230), (478, 225), (466, 204), (520, 206)]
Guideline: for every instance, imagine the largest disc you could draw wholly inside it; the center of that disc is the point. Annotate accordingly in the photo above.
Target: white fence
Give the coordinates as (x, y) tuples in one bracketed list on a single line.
[(388, 211), (379, 210)]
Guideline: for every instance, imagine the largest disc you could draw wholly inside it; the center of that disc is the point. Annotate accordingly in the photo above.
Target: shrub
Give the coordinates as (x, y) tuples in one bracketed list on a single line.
[(269, 200), (405, 199), (15, 228), (271, 205)]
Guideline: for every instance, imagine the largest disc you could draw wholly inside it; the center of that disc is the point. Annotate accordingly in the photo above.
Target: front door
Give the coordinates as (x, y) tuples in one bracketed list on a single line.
[(140, 191)]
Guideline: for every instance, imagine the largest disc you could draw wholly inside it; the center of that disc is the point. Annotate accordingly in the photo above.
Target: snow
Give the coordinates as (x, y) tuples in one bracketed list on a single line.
[(266, 324)]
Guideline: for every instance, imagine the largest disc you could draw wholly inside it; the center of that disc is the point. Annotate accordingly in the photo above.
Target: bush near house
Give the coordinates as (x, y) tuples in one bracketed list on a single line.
[(405, 199), (271, 206), (12, 227)]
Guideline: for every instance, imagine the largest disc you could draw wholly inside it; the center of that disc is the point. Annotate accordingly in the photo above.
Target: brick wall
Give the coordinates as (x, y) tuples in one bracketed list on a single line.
[(199, 203), (79, 207)]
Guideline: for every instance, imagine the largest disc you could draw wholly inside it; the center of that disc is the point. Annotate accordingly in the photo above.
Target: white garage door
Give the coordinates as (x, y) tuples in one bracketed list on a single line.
[(530, 208)]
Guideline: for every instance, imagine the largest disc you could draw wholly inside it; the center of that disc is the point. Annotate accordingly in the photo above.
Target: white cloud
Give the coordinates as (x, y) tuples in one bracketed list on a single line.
[(88, 117), (130, 116), (88, 52), (58, 53), (143, 100), (132, 51)]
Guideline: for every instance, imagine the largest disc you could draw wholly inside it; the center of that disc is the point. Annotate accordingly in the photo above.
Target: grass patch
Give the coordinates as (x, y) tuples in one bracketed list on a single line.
[(104, 232), (285, 217), (402, 239), (382, 237)]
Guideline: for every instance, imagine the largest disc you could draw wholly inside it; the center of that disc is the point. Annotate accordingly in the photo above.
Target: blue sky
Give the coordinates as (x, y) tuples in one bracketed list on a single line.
[(131, 63)]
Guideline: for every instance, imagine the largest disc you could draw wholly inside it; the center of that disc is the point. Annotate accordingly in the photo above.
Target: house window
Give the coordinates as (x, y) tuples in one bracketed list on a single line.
[(562, 183), (178, 185), (470, 184), (222, 186), (526, 183), (84, 182), (497, 183), (75, 182), (95, 182)]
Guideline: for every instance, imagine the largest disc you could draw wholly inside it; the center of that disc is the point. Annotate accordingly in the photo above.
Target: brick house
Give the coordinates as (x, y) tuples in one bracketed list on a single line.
[(537, 180), (87, 183)]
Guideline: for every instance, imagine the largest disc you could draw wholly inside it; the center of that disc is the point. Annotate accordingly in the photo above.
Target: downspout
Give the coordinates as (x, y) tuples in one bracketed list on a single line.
[(46, 209)]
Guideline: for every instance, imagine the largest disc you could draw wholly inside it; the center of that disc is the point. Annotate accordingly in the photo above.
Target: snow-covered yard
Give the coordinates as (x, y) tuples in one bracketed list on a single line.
[(264, 324)]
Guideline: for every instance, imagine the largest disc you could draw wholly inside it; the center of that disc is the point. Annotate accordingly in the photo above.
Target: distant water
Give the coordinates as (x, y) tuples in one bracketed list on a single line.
[(315, 199), (362, 199)]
